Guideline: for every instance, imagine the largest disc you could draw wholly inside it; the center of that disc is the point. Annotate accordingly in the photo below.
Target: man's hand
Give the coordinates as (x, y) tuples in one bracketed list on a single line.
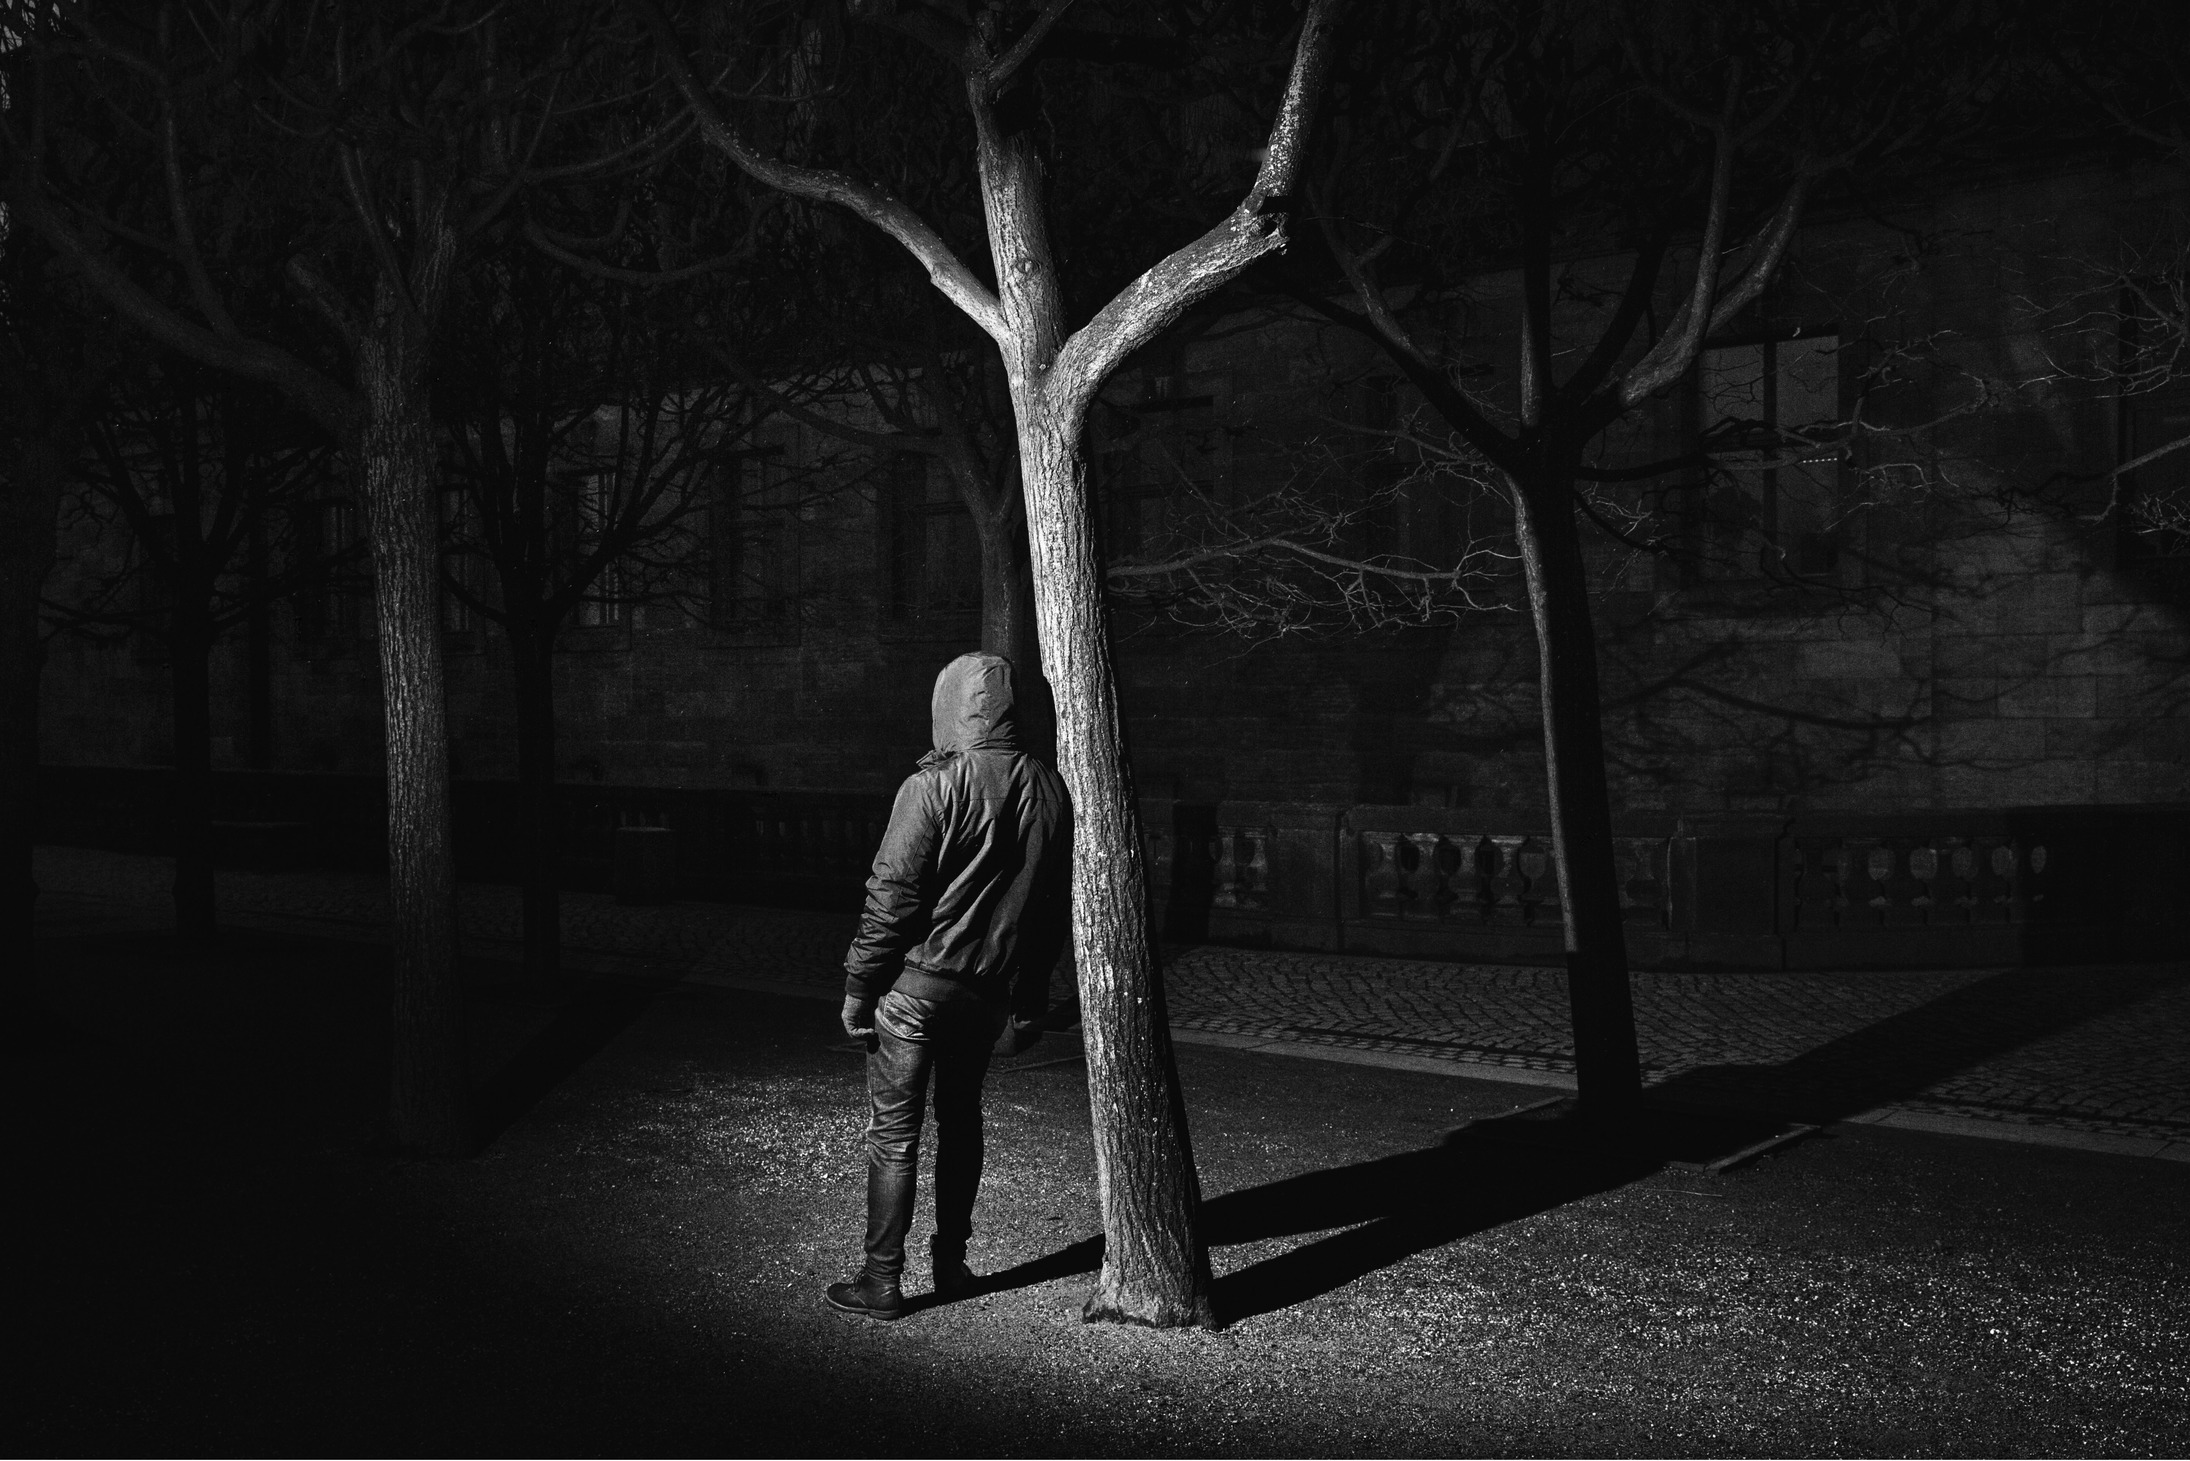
[(1018, 1037), (858, 1017)]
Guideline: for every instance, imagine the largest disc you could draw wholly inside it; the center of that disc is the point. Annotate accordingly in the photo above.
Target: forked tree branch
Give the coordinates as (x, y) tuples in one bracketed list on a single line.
[(876, 204), (1147, 306)]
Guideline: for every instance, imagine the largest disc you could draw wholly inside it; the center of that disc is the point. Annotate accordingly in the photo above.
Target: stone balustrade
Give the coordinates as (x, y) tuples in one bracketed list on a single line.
[(1822, 890)]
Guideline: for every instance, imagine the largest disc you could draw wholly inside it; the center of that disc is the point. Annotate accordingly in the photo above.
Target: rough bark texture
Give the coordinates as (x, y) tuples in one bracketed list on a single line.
[(1008, 624), (428, 1098), (1155, 1268), (1608, 1075), (30, 497)]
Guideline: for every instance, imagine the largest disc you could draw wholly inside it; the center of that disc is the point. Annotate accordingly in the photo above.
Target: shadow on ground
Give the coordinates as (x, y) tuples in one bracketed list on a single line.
[(1481, 1176), (596, 1012), (1490, 1173), (1901, 1057)]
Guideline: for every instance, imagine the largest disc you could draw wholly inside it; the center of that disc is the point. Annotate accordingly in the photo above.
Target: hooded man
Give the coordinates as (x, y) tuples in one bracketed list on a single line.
[(966, 913)]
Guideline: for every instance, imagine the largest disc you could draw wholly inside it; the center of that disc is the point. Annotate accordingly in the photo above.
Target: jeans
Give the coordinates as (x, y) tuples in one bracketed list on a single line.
[(915, 1038)]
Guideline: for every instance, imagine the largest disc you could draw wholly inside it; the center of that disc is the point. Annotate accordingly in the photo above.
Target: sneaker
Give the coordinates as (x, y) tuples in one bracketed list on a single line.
[(869, 1297)]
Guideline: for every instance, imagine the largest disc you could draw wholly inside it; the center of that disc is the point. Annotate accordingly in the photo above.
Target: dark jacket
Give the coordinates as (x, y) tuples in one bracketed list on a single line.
[(970, 893)]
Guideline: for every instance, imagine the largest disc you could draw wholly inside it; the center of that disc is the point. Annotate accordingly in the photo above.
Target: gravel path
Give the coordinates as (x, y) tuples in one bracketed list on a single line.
[(634, 1265)]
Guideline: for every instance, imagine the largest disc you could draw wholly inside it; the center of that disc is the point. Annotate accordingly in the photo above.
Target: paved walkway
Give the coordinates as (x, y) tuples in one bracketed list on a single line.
[(2093, 1057)]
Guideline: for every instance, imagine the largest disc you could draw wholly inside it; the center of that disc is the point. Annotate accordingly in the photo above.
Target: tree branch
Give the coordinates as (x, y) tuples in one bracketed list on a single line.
[(875, 204), (329, 403), (1144, 308)]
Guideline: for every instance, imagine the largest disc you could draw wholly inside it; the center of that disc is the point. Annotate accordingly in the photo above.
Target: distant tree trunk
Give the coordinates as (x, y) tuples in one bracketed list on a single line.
[(539, 825), (428, 1099), (30, 500), (258, 652), (1007, 588), (1008, 624), (1606, 1066), (1155, 1269), (190, 653)]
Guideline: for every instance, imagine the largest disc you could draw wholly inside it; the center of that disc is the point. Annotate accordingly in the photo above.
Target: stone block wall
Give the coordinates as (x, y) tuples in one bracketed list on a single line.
[(1967, 655)]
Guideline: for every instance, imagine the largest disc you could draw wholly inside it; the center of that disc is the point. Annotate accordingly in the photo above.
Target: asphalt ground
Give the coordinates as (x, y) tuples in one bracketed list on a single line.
[(218, 1260)]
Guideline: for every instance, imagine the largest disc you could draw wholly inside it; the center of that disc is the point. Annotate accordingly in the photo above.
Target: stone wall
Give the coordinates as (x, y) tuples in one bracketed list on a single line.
[(1958, 654)]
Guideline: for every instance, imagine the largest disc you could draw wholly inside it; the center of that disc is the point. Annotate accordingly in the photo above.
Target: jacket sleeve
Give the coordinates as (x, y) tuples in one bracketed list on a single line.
[(1045, 927), (897, 912)]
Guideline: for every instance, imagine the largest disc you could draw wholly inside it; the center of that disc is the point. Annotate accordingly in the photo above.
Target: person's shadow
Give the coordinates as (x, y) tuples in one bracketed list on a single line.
[(1378, 1212), (1488, 1173)]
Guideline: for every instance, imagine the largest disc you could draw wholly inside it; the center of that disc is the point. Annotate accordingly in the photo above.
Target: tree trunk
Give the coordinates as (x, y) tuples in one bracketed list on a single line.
[(1607, 1070), (1007, 617), (1155, 1268), (190, 654), (190, 689), (428, 1100), (539, 823), (30, 500), (258, 651)]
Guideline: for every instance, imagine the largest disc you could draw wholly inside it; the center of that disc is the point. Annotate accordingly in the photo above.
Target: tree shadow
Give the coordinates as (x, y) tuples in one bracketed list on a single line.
[(1488, 1173), (1084, 1256), (1479, 1177), (1905, 1054), (596, 1013)]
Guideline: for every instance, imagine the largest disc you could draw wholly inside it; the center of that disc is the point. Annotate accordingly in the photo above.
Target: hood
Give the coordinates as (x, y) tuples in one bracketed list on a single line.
[(974, 707)]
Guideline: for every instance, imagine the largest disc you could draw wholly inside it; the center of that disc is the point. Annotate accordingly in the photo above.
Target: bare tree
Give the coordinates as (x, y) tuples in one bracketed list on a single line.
[(360, 148), (56, 364), (591, 442), (1304, 556), (1540, 136), (203, 476), (1155, 1268)]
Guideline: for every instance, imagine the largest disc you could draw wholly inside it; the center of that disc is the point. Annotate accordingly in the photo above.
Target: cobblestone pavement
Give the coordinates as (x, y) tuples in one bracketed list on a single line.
[(2091, 1050)]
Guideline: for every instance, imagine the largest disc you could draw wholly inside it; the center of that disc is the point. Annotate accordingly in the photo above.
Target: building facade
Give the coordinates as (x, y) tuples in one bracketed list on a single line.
[(1880, 582)]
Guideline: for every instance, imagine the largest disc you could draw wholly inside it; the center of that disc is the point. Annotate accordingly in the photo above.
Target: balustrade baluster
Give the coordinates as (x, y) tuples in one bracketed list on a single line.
[(1422, 879), (1508, 885), (1381, 891)]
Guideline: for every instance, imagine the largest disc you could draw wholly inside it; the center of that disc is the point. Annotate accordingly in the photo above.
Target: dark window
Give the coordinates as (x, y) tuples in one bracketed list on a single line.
[(752, 520), (933, 554), (154, 590), (336, 608), (605, 603), (1773, 503), (462, 564), (1161, 453)]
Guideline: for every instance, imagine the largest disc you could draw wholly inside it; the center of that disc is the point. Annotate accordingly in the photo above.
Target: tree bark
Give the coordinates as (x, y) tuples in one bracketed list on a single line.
[(29, 505), (258, 652), (1008, 624), (190, 654), (539, 825), (190, 689), (1607, 1072), (428, 1099), (1155, 1268)]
